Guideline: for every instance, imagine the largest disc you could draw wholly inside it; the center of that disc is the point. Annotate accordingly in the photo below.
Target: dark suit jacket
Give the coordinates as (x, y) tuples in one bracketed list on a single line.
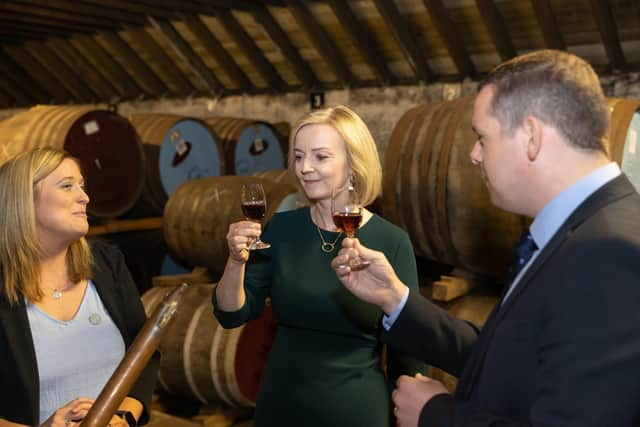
[(564, 349), (19, 388)]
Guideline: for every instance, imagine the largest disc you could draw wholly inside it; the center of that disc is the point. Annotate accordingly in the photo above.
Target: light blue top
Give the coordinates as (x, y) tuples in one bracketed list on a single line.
[(546, 223), (75, 358)]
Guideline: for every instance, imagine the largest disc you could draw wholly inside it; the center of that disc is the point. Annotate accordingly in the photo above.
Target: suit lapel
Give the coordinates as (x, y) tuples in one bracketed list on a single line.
[(14, 321), (616, 189)]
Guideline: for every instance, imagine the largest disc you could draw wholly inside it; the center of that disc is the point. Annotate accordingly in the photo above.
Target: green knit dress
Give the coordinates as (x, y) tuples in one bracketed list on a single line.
[(324, 367)]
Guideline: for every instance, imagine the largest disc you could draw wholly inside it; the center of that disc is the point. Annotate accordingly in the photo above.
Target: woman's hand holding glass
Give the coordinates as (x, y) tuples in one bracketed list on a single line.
[(240, 237), (254, 207)]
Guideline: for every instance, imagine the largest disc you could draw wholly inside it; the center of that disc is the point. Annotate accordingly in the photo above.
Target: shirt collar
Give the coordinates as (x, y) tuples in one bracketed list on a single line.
[(555, 213)]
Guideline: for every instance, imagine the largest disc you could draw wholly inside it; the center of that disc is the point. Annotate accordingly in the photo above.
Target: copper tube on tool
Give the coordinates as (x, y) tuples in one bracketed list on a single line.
[(134, 361)]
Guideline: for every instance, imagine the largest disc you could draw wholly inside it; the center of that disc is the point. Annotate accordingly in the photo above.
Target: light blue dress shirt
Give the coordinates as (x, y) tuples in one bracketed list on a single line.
[(546, 223)]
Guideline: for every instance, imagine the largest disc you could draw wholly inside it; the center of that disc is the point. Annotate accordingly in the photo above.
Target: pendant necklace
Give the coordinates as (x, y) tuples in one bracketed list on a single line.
[(328, 247), (57, 293)]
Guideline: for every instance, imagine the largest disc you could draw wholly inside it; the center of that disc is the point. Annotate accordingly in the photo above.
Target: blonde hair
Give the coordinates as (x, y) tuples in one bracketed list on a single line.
[(19, 246), (362, 153)]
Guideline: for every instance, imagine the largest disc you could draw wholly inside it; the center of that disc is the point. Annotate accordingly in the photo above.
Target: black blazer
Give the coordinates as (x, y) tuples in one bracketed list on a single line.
[(19, 388), (564, 349)]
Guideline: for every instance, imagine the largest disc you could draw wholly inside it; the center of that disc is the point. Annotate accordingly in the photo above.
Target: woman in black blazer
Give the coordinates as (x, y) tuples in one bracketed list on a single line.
[(68, 309)]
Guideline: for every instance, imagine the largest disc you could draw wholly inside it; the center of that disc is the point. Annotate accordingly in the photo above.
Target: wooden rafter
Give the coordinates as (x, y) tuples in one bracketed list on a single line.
[(165, 66), (68, 76), (12, 89), (27, 21), (322, 43), (22, 79), (496, 27), (219, 53), (603, 16), (109, 68), (412, 52), (253, 52), (281, 40), (133, 7), (141, 73), (39, 73), (81, 9), (362, 38), (54, 16), (188, 55), (33, 31), (86, 71), (552, 36), (245, 5), (5, 98), (451, 37)]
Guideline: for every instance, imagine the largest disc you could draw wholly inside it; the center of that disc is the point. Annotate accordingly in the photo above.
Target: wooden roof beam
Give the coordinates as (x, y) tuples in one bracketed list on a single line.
[(144, 76), (65, 26), (362, 39), (68, 76), (32, 30), (497, 29), (552, 36), (104, 64), (75, 60), (188, 55), (166, 66), (322, 43), (53, 16), (219, 53), (22, 79), (451, 37), (253, 52), (199, 7), (412, 52), (6, 100), (13, 90), (281, 40), (246, 5), (81, 9), (38, 72), (134, 7), (603, 16)]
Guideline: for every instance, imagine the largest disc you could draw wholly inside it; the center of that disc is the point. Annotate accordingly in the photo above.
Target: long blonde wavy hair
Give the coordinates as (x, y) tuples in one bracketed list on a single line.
[(19, 246)]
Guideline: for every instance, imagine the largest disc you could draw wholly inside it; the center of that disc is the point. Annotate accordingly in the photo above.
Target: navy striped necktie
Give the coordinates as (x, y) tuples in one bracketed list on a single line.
[(524, 250)]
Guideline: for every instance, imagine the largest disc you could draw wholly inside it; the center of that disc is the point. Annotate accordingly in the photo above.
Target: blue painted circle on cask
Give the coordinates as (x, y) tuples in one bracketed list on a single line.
[(171, 267), (189, 151), (250, 156)]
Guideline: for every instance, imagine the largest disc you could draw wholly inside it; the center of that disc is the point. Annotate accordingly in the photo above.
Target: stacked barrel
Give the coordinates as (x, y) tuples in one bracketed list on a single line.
[(432, 190), (205, 362), (105, 143)]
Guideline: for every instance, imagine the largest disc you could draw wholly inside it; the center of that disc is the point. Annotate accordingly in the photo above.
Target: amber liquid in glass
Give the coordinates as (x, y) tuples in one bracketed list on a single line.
[(347, 222)]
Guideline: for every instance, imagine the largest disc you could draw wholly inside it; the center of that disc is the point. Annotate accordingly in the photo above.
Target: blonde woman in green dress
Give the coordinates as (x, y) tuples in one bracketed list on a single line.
[(324, 368)]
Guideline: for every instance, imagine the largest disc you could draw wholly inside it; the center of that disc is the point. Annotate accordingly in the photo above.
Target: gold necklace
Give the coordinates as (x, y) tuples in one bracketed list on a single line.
[(328, 247)]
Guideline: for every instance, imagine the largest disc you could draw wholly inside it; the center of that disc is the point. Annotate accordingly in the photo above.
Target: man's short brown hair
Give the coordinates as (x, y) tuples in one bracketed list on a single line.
[(558, 88)]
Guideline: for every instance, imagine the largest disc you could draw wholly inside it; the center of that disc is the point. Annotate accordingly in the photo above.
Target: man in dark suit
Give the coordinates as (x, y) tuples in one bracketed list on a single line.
[(562, 347)]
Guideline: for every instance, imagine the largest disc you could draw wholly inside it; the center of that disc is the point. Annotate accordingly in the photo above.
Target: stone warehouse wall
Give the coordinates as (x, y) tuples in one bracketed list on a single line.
[(380, 107)]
